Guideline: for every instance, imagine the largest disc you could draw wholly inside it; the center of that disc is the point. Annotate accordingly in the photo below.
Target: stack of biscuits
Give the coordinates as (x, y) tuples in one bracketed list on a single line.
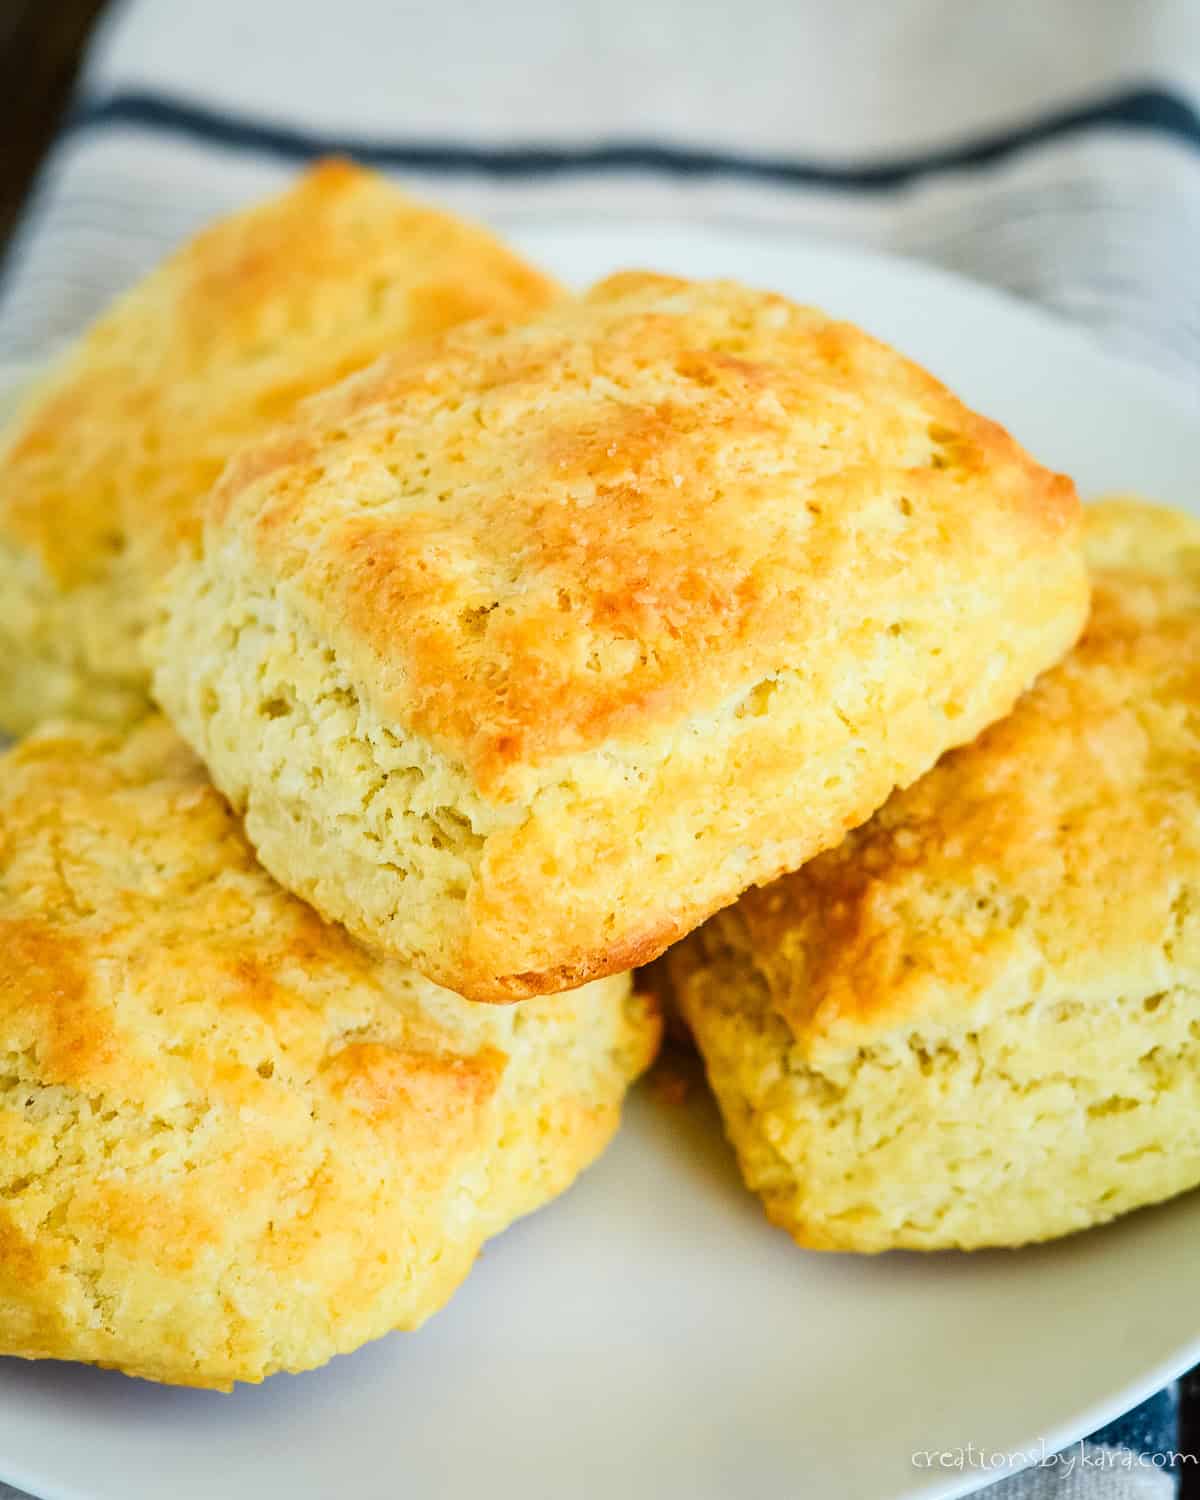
[(406, 651)]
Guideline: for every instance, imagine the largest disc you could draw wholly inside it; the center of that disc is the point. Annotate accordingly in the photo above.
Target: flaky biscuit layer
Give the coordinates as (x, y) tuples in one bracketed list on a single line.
[(104, 467), (231, 1141), (977, 1020), (526, 651)]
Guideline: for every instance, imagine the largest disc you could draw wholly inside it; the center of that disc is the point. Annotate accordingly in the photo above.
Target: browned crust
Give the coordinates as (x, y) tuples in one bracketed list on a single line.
[(259, 310), (612, 516), (1019, 839), (631, 954)]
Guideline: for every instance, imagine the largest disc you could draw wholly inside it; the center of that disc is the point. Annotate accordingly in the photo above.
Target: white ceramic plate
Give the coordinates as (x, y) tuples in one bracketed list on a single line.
[(649, 1336)]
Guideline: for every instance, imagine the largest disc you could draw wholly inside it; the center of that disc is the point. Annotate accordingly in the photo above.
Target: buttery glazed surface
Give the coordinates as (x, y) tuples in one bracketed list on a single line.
[(536, 540)]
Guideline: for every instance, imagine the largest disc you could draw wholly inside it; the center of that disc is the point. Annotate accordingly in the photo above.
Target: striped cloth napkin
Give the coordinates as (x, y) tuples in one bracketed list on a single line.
[(1050, 148)]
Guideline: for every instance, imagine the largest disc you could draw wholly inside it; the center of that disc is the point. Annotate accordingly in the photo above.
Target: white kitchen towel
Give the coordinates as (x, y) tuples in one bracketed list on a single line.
[(1051, 147)]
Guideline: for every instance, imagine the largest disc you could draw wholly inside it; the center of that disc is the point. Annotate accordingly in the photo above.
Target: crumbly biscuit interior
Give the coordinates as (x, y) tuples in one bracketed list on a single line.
[(1050, 1112)]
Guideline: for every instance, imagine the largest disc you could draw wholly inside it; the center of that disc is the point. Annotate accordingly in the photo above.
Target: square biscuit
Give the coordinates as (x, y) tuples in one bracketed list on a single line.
[(525, 653), (104, 466), (977, 1021), (231, 1141)]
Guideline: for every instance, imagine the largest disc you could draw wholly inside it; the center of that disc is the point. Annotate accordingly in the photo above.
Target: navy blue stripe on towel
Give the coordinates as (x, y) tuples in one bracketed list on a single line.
[(1147, 110)]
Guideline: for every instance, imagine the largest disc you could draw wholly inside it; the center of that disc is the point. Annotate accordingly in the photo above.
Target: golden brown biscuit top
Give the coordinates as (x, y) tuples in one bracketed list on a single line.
[(1064, 842), (125, 437), (146, 956), (531, 541)]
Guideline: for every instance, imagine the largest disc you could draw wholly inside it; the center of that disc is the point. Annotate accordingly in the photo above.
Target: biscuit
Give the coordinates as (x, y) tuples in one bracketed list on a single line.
[(524, 655), (103, 468), (231, 1141), (977, 1021)]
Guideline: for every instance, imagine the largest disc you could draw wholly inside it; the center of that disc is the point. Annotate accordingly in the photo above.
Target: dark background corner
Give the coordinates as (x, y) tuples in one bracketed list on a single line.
[(41, 42)]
